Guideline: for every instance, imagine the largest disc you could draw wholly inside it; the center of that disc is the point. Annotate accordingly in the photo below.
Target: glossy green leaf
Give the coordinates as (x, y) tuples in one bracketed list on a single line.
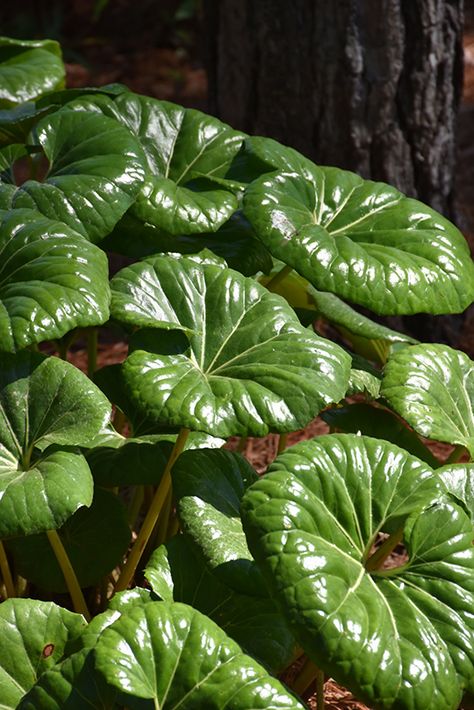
[(177, 209), (362, 240), (74, 684), (51, 280), (235, 242), (432, 387), (44, 401), (249, 368), (180, 145), (399, 637), (380, 423), (28, 69), (95, 540), (178, 573), (96, 170), (208, 486), (34, 635), (459, 481), (173, 655)]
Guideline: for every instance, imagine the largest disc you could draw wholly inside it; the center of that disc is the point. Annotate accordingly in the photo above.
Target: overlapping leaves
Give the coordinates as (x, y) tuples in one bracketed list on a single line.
[(400, 637), (246, 366), (181, 146), (95, 173), (178, 572), (46, 406), (175, 656)]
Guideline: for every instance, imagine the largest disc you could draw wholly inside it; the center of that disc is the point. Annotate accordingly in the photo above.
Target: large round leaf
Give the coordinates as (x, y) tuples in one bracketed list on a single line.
[(208, 485), (176, 656), (51, 280), (432, 387), (44, 401), (95, 540), (180, 145), (96, 170), (363, 240), (249, 366), (28, 69), (34, 636), (400, 637), (179, 573)]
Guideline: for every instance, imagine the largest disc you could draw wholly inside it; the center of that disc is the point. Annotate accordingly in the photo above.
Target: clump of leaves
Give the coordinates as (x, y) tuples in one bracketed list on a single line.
[(230, 577)]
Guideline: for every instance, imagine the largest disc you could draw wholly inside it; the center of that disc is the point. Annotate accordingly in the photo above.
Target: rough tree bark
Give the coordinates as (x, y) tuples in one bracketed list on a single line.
[(369, 85)]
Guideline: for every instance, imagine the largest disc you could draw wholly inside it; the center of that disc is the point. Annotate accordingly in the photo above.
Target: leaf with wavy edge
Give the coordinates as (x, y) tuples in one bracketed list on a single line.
[(249, 367), (400, 637), (364, 241), (174, 655), (73, 683), (51, 280), (43, 402), (34, 636), (96, 171), (181, 145), (28, 69)]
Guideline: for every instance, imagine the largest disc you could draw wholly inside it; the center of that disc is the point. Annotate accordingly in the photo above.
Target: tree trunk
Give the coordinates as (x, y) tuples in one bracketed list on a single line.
[(368, 85)]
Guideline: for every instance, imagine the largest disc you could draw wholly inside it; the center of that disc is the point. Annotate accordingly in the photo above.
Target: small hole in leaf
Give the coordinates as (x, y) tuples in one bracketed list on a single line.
[(48, 650)]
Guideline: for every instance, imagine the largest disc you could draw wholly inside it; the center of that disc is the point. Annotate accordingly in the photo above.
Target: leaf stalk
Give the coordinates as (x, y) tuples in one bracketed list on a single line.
[(376, 560), (70, 578), (6, 572), (152, 515), (278, 278)]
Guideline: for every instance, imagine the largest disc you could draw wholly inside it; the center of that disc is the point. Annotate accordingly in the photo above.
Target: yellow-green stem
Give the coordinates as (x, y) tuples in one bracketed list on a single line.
[(92, 341), (154, 510), (306, 675), (279, 276), (70, 578), (282, 443), (164, 520), (6, 572), (376, 560)]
